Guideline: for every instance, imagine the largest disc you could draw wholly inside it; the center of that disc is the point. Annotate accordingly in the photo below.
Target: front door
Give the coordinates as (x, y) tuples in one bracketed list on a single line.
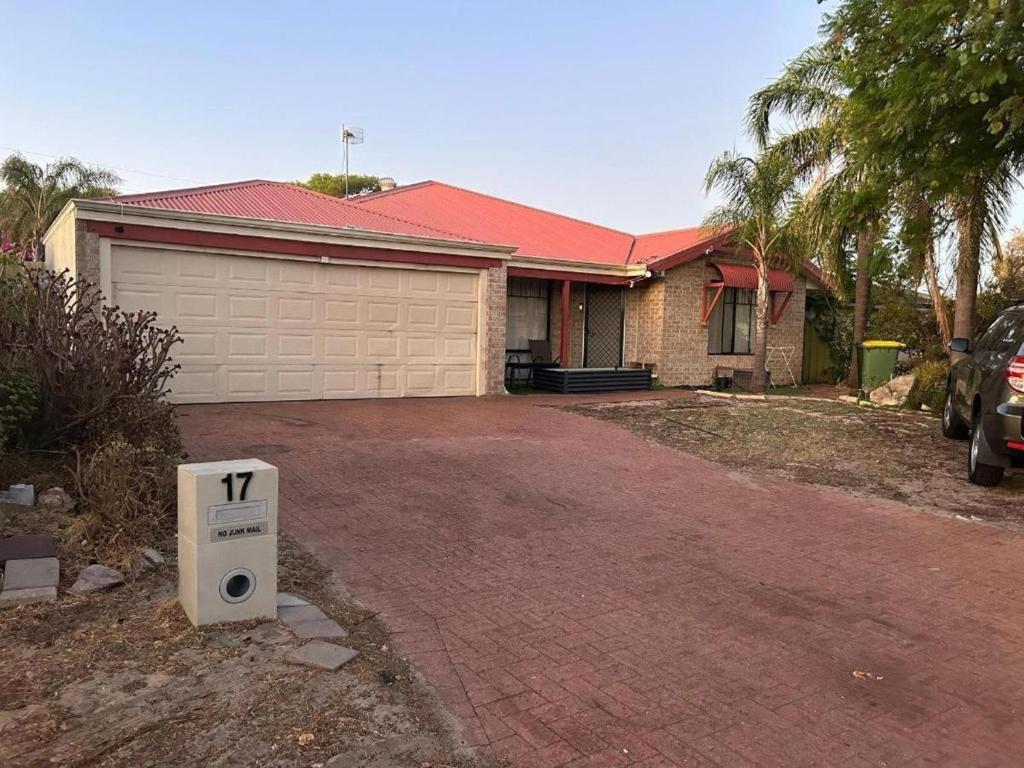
[(603, 326)]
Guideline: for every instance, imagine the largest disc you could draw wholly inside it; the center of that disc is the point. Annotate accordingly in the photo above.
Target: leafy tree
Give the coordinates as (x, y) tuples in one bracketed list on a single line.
[(760, 196), (33, 196), (333, 184), (935, 90)]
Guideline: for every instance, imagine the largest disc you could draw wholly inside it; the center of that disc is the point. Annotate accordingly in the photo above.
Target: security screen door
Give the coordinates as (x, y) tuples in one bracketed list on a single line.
[(603, 326)]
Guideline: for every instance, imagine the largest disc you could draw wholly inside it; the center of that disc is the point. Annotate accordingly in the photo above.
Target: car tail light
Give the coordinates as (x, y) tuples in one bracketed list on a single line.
[(1015, 374)]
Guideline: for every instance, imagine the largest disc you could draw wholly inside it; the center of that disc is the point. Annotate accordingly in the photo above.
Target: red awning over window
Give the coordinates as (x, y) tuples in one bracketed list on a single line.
[(743, 276)]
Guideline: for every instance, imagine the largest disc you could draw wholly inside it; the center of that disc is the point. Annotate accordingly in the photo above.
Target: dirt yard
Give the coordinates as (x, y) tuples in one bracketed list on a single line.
[(122, 678), (871, 452)]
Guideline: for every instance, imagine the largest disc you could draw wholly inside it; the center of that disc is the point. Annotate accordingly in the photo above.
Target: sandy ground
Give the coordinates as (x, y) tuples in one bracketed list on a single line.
[(122, 678), (891, 454)]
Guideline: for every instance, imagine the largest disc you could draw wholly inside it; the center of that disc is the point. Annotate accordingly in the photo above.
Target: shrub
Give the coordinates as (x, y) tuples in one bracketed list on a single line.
[(103, 372), (19, 404), (126, 494), (97, 377), (929, 386)]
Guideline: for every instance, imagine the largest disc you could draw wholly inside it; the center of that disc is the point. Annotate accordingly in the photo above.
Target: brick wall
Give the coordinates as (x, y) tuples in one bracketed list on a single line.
[(87, 254), (493, 330), (684, 358), (645, 312)]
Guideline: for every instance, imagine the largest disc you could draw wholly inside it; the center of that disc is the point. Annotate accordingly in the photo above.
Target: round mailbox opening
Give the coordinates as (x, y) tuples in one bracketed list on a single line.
[(237, 585)]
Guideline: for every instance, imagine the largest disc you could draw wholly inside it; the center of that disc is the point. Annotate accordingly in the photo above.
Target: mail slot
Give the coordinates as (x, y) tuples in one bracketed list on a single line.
[(227, 540)]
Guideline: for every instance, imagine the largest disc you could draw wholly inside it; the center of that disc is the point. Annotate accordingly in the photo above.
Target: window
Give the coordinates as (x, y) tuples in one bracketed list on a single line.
[(526, 313), (731, 325)]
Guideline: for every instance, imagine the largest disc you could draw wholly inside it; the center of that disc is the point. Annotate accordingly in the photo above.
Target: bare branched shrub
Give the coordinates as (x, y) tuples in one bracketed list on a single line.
[(101, 377), (102, 371)]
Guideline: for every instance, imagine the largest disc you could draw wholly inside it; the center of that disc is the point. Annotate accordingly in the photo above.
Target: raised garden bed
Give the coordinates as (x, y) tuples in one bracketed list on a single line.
[(567, 380)]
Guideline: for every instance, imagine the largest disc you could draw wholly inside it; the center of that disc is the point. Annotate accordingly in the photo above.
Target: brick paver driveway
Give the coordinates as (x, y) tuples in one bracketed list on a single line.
[(579, 596)]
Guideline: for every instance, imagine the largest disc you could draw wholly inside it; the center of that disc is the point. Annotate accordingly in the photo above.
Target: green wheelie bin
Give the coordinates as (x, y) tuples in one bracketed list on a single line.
[(877, 362)]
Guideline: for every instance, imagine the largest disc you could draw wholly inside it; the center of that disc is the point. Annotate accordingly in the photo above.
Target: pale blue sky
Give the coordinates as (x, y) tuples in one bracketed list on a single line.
[(609, 111)]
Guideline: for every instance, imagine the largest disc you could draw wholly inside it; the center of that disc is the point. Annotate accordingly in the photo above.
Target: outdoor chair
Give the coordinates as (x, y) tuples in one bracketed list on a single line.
[(540, 352)]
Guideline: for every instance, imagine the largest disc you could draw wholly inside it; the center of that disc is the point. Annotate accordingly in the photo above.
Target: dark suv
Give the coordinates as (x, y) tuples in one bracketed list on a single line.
[(985, 398)]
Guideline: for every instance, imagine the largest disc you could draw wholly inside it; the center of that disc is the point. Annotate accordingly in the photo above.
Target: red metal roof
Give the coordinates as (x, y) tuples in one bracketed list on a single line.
[(278, 201), (537, 232), (745, 276), (648, 248), (436, 210)]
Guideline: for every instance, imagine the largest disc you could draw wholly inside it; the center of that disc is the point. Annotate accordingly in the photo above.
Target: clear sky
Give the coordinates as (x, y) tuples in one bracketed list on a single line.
[(609, 111)]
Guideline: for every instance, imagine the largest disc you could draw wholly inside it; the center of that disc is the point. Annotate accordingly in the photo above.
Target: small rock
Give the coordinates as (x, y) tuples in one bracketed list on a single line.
[(55, 500), (150, 558), (893, 393), (96, 577), (849, 399), (318, 653)]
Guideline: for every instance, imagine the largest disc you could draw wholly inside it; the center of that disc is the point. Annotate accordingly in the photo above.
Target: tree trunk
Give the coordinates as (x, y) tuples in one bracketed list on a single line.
[(758, 379), (861, 302), (931, 276), (970, 212)]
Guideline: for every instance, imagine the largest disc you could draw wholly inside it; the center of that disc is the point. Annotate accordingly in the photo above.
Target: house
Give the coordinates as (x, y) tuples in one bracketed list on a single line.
[(282, 293)]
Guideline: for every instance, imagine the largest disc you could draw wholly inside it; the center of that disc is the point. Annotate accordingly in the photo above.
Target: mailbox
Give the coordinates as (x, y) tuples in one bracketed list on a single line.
[(227, 540)]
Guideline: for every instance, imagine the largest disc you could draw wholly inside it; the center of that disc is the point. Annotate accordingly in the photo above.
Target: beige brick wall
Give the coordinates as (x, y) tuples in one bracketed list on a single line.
[(493, 330), (645, 312), (684, 358), (87, 254)]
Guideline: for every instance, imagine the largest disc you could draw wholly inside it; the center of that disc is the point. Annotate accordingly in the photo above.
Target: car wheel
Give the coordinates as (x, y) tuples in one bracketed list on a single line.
[(978, 472), (953, 426)]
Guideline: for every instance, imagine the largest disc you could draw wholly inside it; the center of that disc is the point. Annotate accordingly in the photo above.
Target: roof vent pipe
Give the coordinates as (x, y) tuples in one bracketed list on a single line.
[(387, 184)]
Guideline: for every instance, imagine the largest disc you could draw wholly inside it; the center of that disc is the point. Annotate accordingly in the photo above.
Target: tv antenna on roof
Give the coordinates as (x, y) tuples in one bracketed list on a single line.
[(350, 134)]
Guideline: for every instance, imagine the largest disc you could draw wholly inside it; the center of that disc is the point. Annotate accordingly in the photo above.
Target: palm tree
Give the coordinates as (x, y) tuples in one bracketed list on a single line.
[(34, 195), (845, 197), (759, 200), (980, 208)]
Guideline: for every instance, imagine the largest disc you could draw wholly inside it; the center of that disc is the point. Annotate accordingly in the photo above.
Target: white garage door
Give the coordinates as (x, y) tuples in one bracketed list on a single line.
[(278, 329)]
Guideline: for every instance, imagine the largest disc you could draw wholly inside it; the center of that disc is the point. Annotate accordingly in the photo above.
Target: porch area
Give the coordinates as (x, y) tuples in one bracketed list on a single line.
[(568, 335)]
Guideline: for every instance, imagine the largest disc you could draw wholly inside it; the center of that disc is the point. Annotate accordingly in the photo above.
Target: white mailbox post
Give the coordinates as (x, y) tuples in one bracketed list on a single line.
[(227, 540)]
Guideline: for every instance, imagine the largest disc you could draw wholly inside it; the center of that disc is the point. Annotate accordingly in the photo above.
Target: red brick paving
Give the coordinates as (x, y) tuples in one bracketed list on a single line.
[(579, 596)]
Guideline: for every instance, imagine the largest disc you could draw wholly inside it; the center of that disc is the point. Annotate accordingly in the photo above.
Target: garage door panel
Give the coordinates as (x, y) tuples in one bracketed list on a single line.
[(295, 310), (247, 346), (198, 347), (196, 384), (423, 283), (387, 281), (276, 329), (133, 298), (192, 306), (460, 317), (250, 273), (459, 285), (340, 347), (341, 311), (383, 311), (381, 348), (296, 347), (196, 268)]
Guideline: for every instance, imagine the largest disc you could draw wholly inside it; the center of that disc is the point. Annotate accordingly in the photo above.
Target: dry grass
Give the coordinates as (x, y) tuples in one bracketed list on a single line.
[(891, 454), (122, 678)]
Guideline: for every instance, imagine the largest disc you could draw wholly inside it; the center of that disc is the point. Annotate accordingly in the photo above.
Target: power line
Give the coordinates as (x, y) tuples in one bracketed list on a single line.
[(123, 170)]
